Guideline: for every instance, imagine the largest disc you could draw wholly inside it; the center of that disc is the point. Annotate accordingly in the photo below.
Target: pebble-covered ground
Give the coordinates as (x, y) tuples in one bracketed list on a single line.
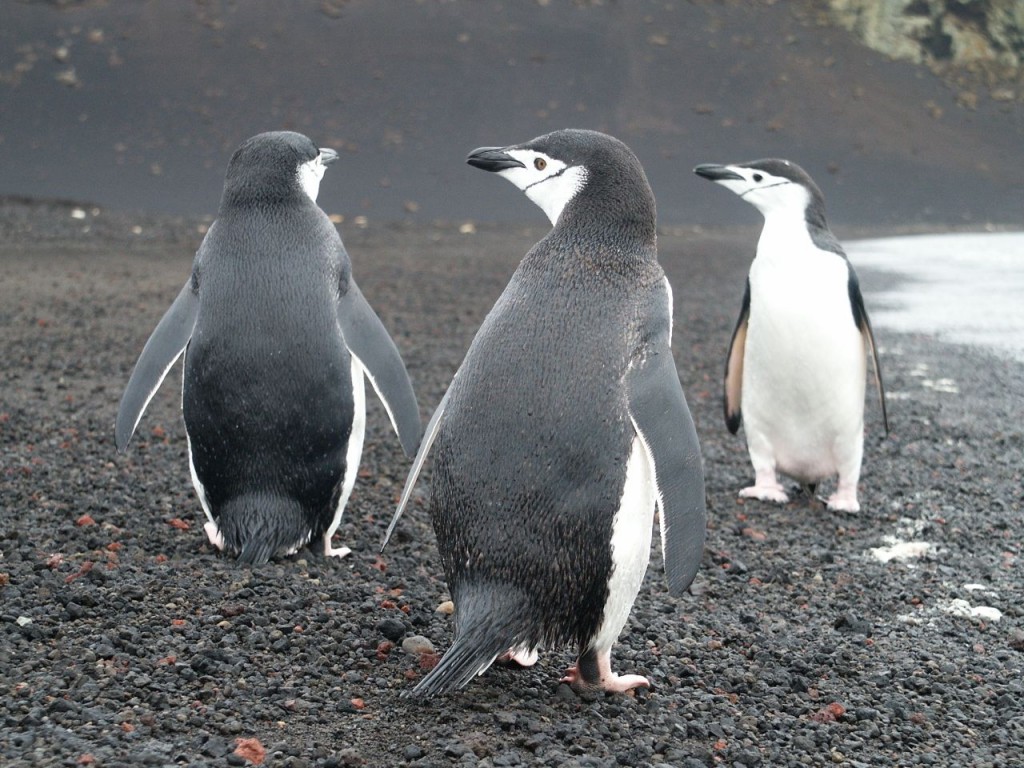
[(125, 639)]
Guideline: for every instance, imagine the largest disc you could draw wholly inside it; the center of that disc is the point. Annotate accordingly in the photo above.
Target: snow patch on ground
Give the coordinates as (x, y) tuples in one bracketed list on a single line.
[(964, 288), (961, 608), (902, 546), (957, 607), (897, 549)]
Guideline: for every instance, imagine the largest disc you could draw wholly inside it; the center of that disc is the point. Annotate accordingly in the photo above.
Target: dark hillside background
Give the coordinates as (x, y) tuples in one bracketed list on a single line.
[(138, 105)]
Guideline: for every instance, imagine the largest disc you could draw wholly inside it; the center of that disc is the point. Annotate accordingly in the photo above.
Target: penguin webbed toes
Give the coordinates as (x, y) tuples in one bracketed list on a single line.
[(592, 672), (771, 493), (843, 501)]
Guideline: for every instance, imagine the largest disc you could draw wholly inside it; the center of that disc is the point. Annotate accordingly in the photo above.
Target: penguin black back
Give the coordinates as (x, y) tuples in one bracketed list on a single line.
[(543, 535), (277, 338)]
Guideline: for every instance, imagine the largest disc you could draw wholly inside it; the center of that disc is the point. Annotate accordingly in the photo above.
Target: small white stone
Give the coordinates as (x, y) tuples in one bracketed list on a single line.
[(417, 645)]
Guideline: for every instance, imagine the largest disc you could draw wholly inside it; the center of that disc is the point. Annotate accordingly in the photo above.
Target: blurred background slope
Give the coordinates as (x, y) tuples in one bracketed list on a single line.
[(138, 104)]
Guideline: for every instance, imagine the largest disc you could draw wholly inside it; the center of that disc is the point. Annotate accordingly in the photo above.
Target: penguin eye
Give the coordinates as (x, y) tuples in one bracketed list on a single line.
[(540, 163), (758, 177)]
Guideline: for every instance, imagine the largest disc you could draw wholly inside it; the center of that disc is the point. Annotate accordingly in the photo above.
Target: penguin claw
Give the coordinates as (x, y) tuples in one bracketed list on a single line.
[(773, 493)]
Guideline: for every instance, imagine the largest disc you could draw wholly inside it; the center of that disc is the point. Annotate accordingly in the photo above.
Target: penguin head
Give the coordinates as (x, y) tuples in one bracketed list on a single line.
[(275, 167), (771, 186), (573, 174)]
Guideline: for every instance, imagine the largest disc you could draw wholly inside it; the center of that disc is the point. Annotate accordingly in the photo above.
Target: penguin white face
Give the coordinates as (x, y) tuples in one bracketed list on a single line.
[(766, 191), (550, 183), (312, 171), (547, 181)]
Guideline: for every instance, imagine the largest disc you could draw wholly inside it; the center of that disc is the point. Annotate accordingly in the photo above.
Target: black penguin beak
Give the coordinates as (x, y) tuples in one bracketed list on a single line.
[(328, 156), (492, 159), (717, 173)]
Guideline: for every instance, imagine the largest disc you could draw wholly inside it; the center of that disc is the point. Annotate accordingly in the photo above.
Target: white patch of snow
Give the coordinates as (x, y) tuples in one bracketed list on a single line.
[(959, 607), (897, 549)]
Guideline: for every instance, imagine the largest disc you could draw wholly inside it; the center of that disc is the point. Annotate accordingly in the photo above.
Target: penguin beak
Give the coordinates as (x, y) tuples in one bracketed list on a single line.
[(717, 173), (492, 159), (328, 156)]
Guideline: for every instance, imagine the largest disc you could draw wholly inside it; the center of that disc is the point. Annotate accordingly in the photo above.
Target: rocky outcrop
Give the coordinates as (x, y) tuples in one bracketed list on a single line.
[(940, 32)]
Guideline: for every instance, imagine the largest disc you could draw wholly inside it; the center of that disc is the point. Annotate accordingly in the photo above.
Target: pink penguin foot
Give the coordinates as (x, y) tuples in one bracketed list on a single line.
[(765, 492), (524, 657), (599, 675), (214, 535), (338, 552), (843, 500)]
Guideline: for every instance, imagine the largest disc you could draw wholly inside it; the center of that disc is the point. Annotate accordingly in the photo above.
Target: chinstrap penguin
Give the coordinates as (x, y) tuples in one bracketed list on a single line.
[(277, 338), (564, 428), (797, 364)]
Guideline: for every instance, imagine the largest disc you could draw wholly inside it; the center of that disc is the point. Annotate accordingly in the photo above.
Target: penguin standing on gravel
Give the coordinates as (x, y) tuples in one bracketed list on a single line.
[(564, 428), (796, 369), (277, 338)]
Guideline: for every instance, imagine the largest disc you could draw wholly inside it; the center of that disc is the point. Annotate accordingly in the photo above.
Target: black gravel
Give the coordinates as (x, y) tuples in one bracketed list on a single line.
[(126, 640)]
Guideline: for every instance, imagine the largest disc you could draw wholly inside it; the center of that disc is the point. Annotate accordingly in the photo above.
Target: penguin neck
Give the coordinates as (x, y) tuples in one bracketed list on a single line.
[(261, 195), (787, 234), (621, 217), (785, 231), (598, 247)]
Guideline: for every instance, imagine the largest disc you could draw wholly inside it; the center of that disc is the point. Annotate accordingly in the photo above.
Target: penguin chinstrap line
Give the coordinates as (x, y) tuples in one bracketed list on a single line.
[(796, 369), (564, 429), (277, 338)]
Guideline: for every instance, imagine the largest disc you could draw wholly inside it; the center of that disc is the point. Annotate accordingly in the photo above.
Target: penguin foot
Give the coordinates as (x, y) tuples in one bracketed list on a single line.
[(843, 501), (605, 679), (524, 657), (338, 552), (214, 535), (613, 683), (774, 492)]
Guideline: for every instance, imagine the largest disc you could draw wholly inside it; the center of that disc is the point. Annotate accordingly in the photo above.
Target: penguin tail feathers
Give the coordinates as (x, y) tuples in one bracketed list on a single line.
[(488, 622), (257, 526)]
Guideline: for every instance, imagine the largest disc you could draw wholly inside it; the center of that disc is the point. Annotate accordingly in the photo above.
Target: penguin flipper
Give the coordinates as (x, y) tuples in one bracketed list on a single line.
[(417, 465), (661, 417), (734, 367), (860, 316), (164, 347), (368, 341)]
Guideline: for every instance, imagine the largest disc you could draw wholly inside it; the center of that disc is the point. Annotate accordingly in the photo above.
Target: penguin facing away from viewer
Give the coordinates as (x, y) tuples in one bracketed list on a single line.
[(277, 338), (797, 364), (564, 428)]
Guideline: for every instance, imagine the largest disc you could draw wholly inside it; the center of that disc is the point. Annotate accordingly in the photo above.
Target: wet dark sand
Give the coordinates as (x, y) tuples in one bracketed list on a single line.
[(139, 105), (126, 640)]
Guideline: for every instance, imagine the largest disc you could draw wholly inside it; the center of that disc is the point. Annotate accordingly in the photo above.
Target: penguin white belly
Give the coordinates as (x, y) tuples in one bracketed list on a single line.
[(353, 453), (211, 528), (630, 544), (804, 366)]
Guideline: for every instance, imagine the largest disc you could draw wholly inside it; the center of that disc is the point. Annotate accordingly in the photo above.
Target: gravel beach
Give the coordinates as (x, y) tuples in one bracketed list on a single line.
[(127, 640)]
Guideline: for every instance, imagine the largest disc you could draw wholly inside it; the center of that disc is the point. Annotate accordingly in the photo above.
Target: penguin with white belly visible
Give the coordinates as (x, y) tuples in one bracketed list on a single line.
[(277, 338), (564, 428), (797, 363)]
